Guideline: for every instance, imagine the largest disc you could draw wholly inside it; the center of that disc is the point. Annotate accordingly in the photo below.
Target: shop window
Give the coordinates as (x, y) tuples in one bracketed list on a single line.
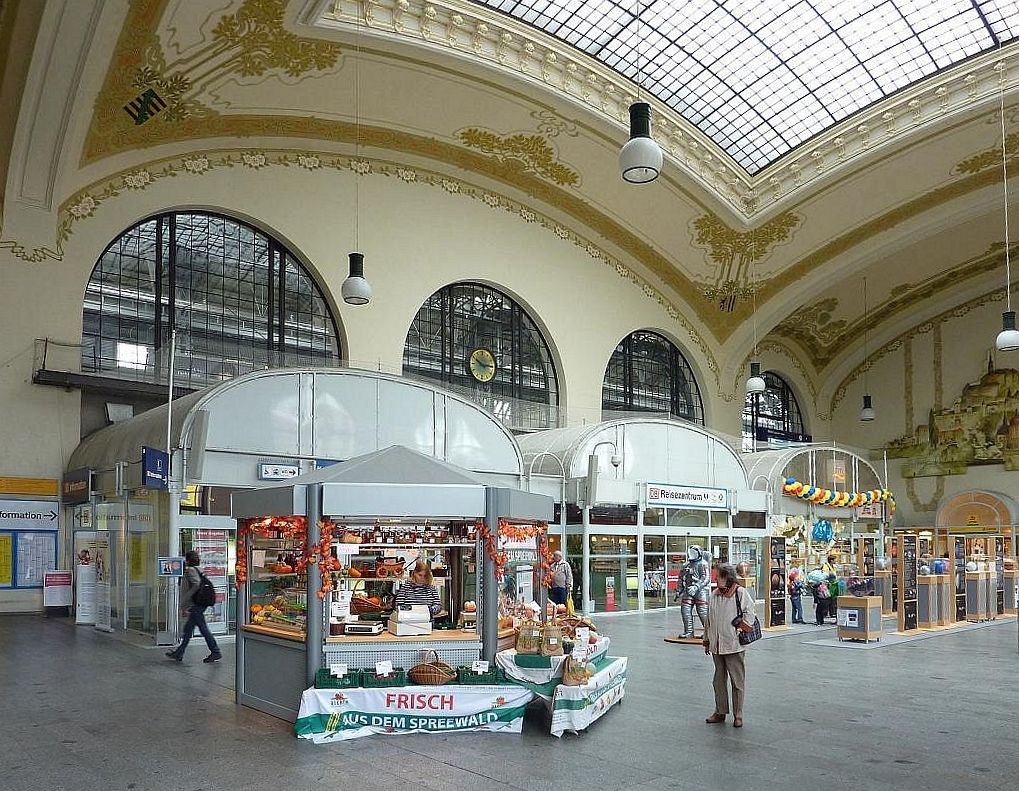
[(238, 300), (648, 373), (473, 339), (719, 520), (613, 545), (686, 517), (614, 515), (749, 520), (614, 584), (654, 543), (654, 517), (773, 414)]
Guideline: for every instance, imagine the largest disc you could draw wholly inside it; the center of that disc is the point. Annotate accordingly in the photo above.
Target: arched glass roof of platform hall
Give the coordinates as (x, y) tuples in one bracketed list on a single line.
[(759, 77)]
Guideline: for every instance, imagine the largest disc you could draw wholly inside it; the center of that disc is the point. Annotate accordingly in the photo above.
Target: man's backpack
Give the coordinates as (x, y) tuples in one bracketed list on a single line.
[(205, 595)]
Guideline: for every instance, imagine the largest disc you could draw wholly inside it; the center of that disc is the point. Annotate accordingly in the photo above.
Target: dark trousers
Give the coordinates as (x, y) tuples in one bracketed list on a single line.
[(820, 610), (797, 602), (557, 595), (196, 618), (833, 606)]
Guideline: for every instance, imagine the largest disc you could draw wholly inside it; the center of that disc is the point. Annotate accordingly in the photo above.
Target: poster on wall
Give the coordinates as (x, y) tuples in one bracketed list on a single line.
[(84, 578), (999, 573), (103, 573), (6, 560), (36, 553), (212, 547)]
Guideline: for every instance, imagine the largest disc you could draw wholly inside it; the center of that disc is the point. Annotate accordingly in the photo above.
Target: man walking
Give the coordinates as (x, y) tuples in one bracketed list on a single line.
[(562, 579), (194, 605)]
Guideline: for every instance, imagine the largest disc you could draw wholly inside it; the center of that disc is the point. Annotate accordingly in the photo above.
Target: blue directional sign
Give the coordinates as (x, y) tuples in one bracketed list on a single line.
[(155, 468)]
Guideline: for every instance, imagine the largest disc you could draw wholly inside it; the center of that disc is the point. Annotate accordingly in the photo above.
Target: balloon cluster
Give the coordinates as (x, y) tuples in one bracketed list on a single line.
[(834, 498), (822, 531)]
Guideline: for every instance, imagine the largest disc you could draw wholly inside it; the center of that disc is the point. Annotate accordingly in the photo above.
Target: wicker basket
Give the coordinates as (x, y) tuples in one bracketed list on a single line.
[(389, 567), (359, 605), (433, 673)]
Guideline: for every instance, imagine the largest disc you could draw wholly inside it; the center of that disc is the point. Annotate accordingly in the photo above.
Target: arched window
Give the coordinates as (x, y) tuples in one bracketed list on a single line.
[(647, 373), (773, 414), (238, 300), (476, 340)]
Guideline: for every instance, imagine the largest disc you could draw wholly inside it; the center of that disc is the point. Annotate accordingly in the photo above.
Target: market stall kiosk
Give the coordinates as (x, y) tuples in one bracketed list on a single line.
[(326, 553)]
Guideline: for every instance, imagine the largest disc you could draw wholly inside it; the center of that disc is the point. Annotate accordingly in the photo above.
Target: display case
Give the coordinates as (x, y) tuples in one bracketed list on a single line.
[(371, 563), (277, 592)]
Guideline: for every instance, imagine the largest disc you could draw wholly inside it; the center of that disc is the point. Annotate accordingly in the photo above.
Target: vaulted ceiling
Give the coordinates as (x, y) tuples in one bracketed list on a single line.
[(810, 146)]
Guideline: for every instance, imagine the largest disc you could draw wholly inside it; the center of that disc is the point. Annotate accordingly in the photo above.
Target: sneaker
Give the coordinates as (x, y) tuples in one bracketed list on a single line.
[(174, 656), (212, 658)]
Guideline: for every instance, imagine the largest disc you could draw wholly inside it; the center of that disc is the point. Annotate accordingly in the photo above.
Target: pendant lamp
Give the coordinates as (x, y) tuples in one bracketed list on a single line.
[(355, 289), (640, 160), (867, 414), (1008, 338)]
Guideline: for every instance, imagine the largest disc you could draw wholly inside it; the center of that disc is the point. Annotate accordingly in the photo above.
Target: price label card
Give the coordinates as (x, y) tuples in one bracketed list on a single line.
[(583, 634), (347, 549), (384, 668), (579, 653), (479, 666), (338, 670)]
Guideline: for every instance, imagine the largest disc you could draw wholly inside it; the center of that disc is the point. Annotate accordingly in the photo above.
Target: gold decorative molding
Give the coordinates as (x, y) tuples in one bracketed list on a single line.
[(920, 329), (532, 152), (990, 158), (734, 252), (812, 328), (143, 95), (512, 46)]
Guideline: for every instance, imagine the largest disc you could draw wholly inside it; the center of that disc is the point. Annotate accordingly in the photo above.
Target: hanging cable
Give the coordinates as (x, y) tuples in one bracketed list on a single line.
[(1004, 182)]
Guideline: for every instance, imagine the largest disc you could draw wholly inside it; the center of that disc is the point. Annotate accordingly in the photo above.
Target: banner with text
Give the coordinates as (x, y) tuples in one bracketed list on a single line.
[(84, 577), (329, 715), (687, 496), (103, 582), (574, 708)]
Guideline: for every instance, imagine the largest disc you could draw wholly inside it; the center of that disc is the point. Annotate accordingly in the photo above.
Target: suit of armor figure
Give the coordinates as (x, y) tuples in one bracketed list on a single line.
[(696, 585)]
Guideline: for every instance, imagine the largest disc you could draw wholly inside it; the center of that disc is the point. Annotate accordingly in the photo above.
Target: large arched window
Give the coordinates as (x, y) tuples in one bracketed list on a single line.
[(238, 300), (772, 415), (476, 340), (647, 373)]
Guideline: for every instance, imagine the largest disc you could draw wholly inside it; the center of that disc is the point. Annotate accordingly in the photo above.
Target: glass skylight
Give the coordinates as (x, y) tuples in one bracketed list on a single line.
[(762, 76)]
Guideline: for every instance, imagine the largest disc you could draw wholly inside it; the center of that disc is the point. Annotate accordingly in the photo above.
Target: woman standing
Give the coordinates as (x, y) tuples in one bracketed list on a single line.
[(730, 611), (420, 590)]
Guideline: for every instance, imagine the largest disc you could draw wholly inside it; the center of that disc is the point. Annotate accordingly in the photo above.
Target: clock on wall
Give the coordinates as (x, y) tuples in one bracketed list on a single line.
[(481, 364)]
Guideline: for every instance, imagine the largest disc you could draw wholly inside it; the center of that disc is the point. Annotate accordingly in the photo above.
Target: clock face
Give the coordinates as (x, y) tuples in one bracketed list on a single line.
[(481, 364)]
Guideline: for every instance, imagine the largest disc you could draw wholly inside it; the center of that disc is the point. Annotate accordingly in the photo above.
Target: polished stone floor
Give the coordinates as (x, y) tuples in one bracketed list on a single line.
[(82, 710)]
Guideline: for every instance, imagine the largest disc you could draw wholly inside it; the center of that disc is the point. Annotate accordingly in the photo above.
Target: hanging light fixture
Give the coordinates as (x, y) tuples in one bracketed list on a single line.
[(640, 160), (355, 289), (755, 383), (867, 414), (1008, 338)]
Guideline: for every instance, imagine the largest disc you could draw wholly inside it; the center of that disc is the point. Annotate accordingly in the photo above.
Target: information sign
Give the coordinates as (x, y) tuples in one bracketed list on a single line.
[(28, 515), (170, 567), (56, 589)]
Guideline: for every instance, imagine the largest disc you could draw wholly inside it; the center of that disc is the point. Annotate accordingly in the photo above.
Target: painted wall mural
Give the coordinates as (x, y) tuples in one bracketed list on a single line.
[(981, 427)]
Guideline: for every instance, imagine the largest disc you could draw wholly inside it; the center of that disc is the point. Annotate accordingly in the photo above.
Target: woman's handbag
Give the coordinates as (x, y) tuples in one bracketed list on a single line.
[(433, 673), (746, 638)]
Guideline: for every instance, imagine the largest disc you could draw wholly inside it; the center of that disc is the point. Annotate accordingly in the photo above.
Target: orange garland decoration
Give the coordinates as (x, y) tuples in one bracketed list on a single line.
[(515, 532), (292, 528)]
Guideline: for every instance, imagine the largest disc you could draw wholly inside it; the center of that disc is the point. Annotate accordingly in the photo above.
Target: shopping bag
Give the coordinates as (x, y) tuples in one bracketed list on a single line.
[(570, 610)]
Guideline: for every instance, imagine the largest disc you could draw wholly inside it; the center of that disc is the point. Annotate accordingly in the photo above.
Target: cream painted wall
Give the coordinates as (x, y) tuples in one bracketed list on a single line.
[(965, 342), (416, 238)]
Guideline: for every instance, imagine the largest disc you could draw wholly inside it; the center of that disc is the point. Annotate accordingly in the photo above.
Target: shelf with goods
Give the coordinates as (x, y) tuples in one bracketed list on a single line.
[(369, 564), (277, 592)]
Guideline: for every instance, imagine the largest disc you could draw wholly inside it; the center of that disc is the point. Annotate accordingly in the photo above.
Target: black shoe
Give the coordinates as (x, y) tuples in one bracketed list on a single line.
[(212, 658), (174, 656)]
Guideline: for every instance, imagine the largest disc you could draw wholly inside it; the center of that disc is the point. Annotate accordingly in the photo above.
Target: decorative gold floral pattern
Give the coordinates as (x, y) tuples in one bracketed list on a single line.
[(531, 152), (812, 326), (735, 252)]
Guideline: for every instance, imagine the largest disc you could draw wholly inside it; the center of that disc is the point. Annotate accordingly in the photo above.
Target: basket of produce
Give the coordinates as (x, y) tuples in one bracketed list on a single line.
[(529, 638), (366, 605), (371, 680), (326, 680), (494, 675), (570, 623), (432, 673)]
